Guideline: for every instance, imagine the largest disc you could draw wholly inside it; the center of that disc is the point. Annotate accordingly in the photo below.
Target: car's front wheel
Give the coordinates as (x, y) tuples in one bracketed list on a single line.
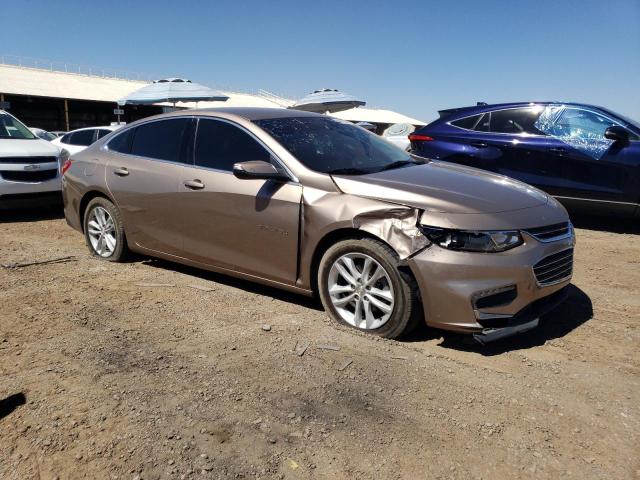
[(103, 230), (360, 285)]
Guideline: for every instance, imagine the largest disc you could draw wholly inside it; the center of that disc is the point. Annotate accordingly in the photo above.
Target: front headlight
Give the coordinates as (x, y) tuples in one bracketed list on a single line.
[(492, 241)]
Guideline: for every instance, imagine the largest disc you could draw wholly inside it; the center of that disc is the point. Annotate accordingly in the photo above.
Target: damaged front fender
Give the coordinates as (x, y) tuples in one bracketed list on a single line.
[(396, 226), (324, 213)]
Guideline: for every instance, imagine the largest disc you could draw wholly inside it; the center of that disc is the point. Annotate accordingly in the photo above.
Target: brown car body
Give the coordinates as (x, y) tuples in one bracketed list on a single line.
[(275, 232)]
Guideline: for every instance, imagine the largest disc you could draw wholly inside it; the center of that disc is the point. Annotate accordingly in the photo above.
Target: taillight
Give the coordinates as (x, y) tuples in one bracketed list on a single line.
[(419, 138), (66, 166)]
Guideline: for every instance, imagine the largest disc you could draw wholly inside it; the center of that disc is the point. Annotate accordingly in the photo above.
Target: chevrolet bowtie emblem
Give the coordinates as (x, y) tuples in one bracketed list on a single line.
[(32, 167)]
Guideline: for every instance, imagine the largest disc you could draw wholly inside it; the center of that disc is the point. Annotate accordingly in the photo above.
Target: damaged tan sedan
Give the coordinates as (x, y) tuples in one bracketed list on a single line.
[(316, 205)]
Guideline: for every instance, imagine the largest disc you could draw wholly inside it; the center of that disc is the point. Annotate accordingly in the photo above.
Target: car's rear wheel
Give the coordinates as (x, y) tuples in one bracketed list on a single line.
[(361, 286), (103, 230)]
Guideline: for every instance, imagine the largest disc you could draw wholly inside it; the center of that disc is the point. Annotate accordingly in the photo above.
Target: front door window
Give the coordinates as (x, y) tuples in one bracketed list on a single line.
[(579, 128)]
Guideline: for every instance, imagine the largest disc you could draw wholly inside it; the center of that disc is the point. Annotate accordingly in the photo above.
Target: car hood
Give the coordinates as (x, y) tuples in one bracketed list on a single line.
[(27, 148), (445, 188)]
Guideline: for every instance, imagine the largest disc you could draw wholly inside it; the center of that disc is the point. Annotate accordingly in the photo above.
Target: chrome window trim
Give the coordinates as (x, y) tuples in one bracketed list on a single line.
[(533, 135), (524, 135), (105, 147)]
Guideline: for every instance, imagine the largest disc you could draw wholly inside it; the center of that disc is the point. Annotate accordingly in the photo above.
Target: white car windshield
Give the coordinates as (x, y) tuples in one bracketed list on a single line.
[(10, 128)]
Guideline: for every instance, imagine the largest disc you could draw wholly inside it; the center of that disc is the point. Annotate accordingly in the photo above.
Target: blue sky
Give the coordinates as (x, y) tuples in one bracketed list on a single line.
[(413, 57)]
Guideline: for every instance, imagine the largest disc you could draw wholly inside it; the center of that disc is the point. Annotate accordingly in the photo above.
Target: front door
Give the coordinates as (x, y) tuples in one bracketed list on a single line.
[(249, 226), (592, 168)]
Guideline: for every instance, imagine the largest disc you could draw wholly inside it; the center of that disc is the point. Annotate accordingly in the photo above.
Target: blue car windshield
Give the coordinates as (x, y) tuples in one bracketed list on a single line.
[(629, 121), (328, 145)]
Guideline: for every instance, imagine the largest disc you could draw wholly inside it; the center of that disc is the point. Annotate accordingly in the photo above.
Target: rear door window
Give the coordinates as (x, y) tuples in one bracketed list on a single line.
[(162, 139), (220, 144), (122, 142), (515, 121), (82, 137)]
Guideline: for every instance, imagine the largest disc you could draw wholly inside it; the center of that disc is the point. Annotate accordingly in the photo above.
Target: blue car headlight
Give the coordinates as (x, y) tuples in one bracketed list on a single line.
[(469, 241)]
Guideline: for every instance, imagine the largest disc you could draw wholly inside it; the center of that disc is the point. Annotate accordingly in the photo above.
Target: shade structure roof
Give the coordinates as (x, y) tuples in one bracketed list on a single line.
[(172, 90), (327, 100)]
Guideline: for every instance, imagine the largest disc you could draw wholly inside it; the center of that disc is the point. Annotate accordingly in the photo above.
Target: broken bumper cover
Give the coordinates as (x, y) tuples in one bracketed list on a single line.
[(524, 320), (452, 283)]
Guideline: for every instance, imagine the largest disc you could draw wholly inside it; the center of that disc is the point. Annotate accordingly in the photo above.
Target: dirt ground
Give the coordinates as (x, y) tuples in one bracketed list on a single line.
[(105, 376)]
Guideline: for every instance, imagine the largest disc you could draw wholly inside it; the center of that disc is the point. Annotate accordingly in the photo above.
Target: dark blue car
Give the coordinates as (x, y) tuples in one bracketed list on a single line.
[(585, 156)]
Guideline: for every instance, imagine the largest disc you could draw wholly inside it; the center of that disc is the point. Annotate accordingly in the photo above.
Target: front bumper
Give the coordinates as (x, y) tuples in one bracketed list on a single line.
[(19, 194), (451, 282)]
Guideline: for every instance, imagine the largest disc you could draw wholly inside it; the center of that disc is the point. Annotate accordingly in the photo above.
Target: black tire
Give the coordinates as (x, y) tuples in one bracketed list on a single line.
[(407, 311), (121, 249)]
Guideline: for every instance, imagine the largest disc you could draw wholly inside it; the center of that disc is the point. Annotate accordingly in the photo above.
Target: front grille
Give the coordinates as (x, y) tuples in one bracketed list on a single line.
[(27, 160), (550, 232), (29, 176), (554, 268)]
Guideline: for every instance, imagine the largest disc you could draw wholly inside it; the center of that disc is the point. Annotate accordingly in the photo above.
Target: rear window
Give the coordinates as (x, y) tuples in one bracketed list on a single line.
[(161, 139), (468, 123)]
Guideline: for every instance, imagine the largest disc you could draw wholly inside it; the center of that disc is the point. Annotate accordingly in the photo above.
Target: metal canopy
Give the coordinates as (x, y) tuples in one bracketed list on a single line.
[(172, 90), (327, 101)]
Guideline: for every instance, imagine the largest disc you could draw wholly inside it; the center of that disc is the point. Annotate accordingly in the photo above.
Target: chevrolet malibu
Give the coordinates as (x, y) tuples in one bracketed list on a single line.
[(315, 205)]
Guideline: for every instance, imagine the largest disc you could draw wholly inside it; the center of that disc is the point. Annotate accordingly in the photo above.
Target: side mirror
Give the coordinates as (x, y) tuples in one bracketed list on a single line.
[(258, 170), (617, 134)]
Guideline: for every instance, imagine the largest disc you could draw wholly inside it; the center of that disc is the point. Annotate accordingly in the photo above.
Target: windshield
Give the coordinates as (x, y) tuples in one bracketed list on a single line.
[(12, 128), (329, 145), (629, 121), (43, 134)]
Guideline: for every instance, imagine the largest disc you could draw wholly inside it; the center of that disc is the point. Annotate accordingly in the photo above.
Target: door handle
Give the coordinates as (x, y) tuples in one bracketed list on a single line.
[(479, 144), (194, 184), (558, 150), (121, 172)]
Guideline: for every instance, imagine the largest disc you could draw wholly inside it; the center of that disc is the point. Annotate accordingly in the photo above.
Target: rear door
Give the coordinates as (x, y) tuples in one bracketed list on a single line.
[(144, 170), (507, 142), (250, 226)]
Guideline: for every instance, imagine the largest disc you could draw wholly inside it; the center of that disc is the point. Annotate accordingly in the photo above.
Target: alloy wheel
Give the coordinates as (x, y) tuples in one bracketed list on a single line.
[(102, 232), (361, 291)]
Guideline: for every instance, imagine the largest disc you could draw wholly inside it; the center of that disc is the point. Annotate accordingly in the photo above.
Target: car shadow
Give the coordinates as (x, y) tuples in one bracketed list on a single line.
[(606, 224), (9, 404), (565, 318), (31, 214), (246, 285)]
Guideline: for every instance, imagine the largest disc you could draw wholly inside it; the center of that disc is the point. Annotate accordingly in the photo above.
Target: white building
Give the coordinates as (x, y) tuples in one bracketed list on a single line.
[(58, 100)]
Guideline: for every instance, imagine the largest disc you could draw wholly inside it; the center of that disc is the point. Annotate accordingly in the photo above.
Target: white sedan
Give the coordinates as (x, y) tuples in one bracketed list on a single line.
[(77, 140), (398, 134)]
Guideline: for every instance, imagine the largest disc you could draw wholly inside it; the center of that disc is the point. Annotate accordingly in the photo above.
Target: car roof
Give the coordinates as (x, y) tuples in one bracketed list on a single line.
[(103, 127), (487, 107), (257, 113)]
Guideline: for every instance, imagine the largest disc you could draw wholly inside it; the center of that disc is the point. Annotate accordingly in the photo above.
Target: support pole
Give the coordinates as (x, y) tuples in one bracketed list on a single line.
[(66, 114)]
